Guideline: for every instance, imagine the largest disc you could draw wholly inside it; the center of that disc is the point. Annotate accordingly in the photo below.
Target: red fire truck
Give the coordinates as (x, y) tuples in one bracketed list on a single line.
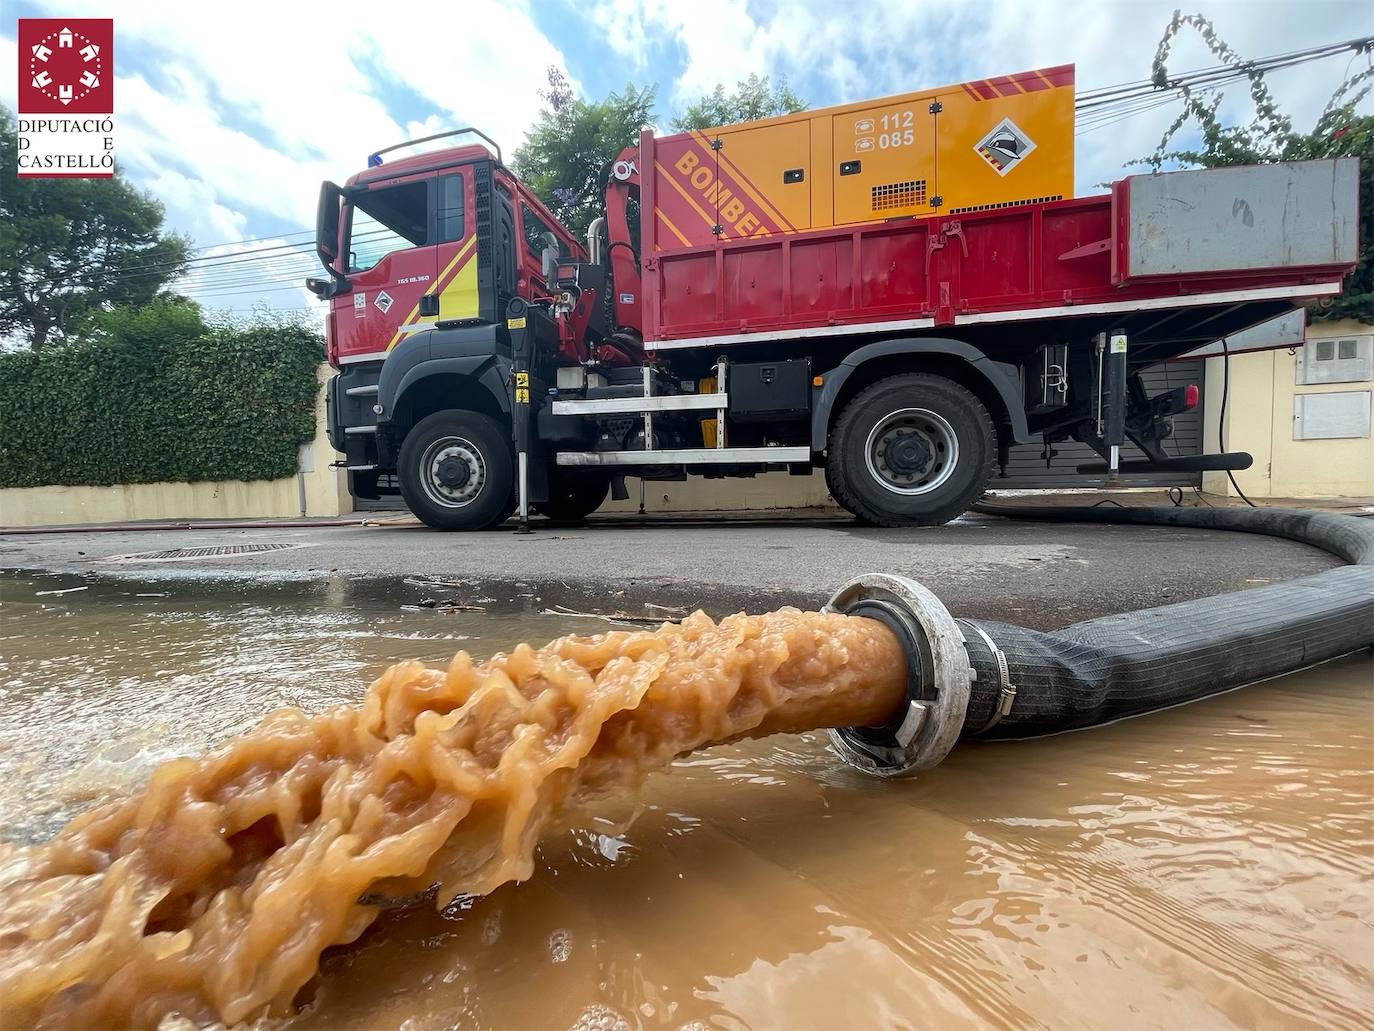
[(894, 291)]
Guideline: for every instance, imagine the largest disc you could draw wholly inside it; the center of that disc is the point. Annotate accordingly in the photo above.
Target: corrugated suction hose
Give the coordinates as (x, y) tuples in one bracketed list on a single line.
[(980, 679)]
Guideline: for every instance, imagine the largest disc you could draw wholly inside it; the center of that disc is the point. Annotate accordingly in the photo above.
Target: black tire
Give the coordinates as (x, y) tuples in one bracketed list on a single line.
[(443, 495), (573, 498), (911, 450)]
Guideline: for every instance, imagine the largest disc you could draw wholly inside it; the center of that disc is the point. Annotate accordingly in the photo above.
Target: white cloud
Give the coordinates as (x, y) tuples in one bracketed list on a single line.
[(718, 41), (268, 272), (9, 72), (213, 219), (234, 119), (623, 24), (854, 51)]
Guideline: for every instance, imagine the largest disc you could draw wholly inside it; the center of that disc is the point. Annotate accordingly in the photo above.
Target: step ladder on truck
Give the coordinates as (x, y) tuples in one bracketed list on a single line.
[(894, 291)]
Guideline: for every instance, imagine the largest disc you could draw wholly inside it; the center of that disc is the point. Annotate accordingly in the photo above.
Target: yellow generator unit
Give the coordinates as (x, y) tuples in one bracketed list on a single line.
[(986, 144)]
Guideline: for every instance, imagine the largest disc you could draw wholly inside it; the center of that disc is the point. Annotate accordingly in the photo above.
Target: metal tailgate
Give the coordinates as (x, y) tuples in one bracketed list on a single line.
[(1300, 215)]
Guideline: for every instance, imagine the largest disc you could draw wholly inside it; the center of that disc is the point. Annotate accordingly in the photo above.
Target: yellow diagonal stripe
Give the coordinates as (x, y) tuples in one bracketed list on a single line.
[(463, 252)]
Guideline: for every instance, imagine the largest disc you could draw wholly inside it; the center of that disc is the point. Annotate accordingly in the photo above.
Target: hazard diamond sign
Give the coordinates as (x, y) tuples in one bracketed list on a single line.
[(1005, 147)]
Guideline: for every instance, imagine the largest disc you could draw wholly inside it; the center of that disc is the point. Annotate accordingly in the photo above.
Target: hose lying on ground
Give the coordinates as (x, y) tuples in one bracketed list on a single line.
[(1023, 682), (213, 891)]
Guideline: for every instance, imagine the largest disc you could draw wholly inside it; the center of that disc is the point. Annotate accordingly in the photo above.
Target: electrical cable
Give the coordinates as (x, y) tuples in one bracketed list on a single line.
[(1138, 87), (1221, 416), (1168, 389), (210, 261)]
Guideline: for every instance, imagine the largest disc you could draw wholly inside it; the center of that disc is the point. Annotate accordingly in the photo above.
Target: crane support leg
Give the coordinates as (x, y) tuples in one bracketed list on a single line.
[(1114, 403)]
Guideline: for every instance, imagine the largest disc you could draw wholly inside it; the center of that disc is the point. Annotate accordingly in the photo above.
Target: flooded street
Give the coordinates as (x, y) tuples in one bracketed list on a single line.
[(1209, 866)]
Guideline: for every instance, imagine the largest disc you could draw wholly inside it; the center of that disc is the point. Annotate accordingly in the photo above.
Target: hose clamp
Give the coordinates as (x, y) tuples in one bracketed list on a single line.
[(1006, 690), (938, 677)]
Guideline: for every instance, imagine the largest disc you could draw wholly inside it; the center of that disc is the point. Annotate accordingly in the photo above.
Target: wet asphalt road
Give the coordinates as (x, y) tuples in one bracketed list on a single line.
[(1035, 574)]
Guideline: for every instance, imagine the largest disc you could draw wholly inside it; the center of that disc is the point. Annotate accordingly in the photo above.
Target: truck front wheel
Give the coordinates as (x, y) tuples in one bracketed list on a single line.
[(911, 450), (457, 472)]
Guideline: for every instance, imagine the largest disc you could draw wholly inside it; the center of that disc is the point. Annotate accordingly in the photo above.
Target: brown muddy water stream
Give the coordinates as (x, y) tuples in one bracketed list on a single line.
[(1209, 866)]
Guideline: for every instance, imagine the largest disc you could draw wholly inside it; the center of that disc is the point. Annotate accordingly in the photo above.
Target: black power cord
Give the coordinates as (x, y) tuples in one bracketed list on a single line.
[(1221, 417)]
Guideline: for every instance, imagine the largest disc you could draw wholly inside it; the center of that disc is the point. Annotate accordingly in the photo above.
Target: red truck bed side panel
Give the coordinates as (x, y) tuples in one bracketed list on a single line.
[(1029, 261)]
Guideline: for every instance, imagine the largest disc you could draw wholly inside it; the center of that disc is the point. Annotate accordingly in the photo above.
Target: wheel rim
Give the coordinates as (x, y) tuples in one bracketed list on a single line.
[(912, 451), (452, 472)]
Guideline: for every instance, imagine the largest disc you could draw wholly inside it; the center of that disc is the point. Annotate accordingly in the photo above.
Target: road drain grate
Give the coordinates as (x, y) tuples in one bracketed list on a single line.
[(219, 551)]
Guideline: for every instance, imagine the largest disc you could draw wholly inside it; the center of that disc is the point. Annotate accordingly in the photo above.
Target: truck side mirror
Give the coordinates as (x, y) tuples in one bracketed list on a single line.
[(327, 223), (549, 257)]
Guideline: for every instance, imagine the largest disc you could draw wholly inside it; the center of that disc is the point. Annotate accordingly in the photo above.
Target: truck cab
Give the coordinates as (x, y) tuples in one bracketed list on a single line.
[(423, 255)]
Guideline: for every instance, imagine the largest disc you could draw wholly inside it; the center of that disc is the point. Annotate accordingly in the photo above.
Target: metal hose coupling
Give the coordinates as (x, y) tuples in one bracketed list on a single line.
[(938, 677)]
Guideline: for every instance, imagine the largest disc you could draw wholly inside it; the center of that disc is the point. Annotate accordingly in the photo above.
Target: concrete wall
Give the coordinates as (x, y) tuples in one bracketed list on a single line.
[(1259, 419), (317, 490)]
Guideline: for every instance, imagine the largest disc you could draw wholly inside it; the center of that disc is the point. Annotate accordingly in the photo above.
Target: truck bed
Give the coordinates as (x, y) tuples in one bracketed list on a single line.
[(1200, 244)]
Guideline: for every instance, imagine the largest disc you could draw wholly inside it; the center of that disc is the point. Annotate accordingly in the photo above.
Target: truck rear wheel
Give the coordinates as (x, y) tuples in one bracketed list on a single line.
[(573, 498), (911, 450), (457, 472)]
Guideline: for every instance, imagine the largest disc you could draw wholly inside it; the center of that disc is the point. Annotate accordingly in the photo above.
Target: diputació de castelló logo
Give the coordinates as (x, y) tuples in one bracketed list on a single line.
[(66, 97)]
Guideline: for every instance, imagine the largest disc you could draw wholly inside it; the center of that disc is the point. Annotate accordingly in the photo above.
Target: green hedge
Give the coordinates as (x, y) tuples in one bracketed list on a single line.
[(156, 395)]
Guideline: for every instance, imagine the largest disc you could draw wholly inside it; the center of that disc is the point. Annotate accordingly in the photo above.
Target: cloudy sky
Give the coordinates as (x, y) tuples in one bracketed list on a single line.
[(232, 114)]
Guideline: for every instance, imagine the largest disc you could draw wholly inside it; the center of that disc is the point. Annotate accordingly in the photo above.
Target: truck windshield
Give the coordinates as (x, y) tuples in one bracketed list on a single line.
[(537, 233), (394, 218)]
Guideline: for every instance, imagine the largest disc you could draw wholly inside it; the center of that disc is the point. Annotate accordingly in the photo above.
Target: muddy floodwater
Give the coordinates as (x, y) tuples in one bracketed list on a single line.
[(1209, 866)]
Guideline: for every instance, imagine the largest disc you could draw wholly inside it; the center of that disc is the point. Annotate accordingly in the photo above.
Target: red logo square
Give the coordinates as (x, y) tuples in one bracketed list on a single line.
[(66, 66)]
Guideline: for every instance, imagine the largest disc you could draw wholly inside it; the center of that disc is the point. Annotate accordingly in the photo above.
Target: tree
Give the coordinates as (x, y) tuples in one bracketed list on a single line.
[(163, 322), (1339, 132), (754, 98), (71, 246), (565, 156)]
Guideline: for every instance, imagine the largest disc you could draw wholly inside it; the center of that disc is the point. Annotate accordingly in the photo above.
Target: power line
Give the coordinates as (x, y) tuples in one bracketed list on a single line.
[(212, 261), (267, 288), (1117, 117), (1092, 98), (1114, 104), (257, 239), (1110, 116), (153, 269)]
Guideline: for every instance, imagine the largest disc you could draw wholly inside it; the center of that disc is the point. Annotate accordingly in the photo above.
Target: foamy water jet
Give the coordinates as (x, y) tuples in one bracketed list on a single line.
[(212, 893)]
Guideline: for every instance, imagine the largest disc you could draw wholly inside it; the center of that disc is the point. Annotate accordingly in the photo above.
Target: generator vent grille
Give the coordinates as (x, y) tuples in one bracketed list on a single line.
[(1005, 204), (899, 195)]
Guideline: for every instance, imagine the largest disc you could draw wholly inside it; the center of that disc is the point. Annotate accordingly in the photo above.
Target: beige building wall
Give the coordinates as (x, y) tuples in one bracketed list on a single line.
[(1260, 419), (317, 490)]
